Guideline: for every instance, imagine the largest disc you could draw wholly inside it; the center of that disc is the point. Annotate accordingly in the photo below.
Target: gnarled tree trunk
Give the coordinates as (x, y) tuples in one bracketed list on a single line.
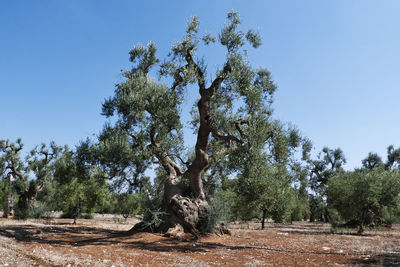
[(188, 210)]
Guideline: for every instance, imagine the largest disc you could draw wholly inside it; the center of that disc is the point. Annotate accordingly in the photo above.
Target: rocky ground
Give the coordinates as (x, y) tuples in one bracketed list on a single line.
[(101, 242)]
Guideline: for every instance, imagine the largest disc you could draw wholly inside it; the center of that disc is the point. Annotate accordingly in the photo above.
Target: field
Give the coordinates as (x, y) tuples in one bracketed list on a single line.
[(101, 242)]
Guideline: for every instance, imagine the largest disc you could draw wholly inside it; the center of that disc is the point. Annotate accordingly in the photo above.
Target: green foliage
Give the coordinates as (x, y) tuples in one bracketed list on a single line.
[(301, 207), (5, 190), (24, 211), (78, 186), (254, 38), (353, 194), (328, 164), (128, 204), (12, 170), (10, 158), (317, 208), (265, 181), (153, 214), (225, 204), (372, 161), (222, 210), (267, 189), (393, 157)]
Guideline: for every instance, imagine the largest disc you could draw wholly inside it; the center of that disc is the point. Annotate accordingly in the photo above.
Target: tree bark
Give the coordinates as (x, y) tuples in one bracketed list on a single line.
[(8, 205)]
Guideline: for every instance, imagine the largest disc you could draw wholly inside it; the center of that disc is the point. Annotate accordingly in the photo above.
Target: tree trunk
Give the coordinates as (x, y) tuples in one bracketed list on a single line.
[(8, 206), (361, 228), (5, 210), (188, 210), (263, 219)]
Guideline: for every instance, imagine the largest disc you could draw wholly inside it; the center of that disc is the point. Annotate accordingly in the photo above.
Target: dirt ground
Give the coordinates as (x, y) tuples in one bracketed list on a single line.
[(100, 242)]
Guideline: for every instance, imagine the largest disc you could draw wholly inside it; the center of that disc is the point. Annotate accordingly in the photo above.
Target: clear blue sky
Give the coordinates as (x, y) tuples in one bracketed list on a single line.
[(337, 64)]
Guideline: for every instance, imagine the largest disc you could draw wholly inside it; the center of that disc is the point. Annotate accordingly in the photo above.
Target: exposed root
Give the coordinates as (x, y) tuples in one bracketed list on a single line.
[(182, 216)]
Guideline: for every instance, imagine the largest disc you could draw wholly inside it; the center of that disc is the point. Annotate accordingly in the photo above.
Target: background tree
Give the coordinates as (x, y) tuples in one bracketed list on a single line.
[(301, 210), (266, 179), (328, 165), (363, 197), (40, 162), (372, 161), (368, 196), (11, 168), (79, 186), (123, 157), (393, 157)]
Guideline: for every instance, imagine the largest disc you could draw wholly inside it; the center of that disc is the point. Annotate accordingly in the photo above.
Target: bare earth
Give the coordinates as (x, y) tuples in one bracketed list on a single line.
[(100, 242)]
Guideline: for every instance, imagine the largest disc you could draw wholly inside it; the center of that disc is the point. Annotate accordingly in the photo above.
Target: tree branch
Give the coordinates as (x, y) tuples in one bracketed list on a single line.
[(165, 160), (187, 163), (199, 72), (227, 138), (14, 170), (218, 81), (190, 63), (239, 129)]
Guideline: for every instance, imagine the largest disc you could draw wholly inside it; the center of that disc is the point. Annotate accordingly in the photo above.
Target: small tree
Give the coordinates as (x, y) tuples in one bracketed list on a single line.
[(79, 187), (40, 162), (128, 204), (322, 170), (301, 210)]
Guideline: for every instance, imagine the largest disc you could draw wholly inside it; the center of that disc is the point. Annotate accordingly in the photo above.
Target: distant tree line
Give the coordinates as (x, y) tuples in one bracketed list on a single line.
[(81, 181)]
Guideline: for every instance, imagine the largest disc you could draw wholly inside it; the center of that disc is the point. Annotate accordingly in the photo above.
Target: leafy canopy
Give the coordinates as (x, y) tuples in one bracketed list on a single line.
[(148, 110)]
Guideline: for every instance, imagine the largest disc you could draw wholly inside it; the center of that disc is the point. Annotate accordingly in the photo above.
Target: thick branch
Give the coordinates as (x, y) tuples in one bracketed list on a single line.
[(202, 158), (14, 170), (187, 163), (218, 81), (199, 72), (169, 165), (190, 63), (239, 128)]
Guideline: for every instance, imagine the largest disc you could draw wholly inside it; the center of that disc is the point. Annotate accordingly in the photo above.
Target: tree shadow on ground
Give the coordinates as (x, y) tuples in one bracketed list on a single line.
[(296, 226), (83, 235), (322, 233), (78, 235), (66, 234), (176, 245), (379, 260), (314, 229)]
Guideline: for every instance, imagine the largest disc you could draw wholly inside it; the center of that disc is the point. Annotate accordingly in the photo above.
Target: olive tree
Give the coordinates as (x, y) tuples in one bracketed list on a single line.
[(231, 105)]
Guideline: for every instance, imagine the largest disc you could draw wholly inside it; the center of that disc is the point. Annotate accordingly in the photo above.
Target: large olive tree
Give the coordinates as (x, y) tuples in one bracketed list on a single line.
[(232, 110)]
